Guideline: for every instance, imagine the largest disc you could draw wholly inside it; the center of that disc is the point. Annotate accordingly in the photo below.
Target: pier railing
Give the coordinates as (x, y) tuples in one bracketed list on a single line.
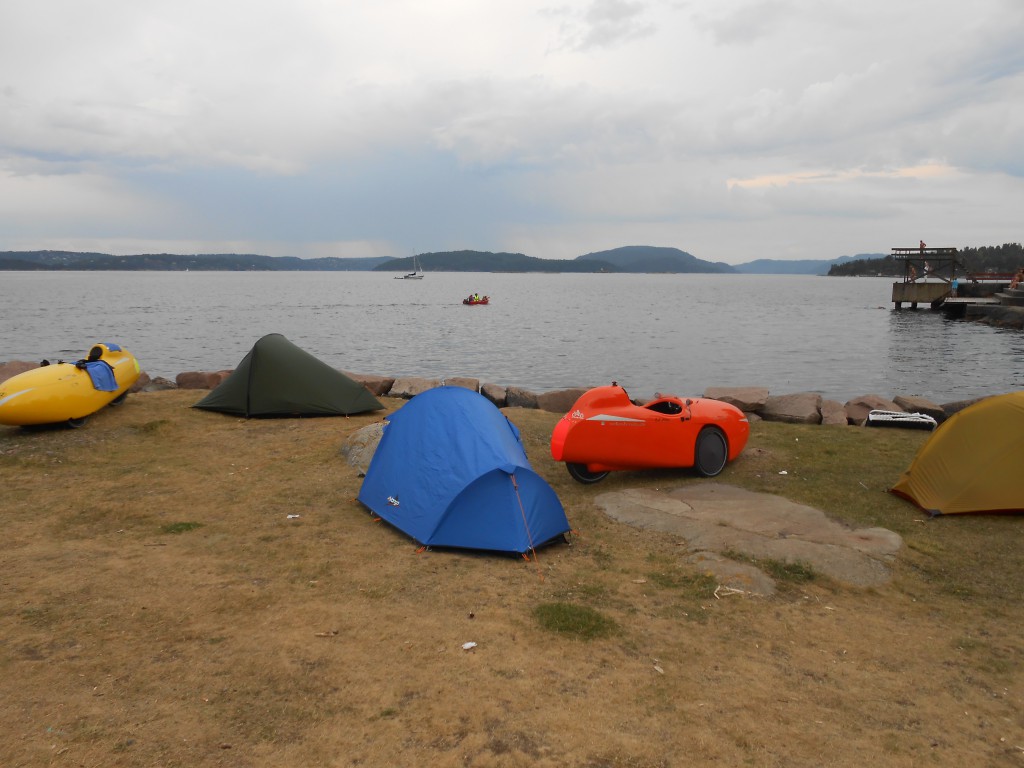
[(989, 277)]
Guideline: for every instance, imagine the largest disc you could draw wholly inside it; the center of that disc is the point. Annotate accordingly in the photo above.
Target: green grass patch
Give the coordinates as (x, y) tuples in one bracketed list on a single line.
[(592, 591), (153, 426), (578, 620), (43, 617), (602, 557), (796, 572), (176, 528), (698, 585)]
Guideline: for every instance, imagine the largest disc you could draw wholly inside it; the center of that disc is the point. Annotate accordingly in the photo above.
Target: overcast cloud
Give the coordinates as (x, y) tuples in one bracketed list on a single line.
[(732, 129)]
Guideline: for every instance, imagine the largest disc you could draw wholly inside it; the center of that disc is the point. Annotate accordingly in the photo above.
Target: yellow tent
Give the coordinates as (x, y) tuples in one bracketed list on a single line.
[(973, 462)]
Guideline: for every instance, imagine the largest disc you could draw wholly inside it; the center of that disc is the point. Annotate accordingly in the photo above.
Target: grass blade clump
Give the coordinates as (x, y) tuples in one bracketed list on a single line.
[(176, 528), (696, 585), (790, 572), (577, 620)]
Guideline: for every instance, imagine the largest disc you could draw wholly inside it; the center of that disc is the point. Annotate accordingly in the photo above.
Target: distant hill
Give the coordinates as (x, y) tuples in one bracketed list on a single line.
[(798, 266), (8, 264), (450, 261), (649, 258), (634, 258), (485, 261), (43, 259), (221, 262)]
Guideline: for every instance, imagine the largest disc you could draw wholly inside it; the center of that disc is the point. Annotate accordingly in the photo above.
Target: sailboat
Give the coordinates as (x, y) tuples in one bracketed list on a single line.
[(416, 274)]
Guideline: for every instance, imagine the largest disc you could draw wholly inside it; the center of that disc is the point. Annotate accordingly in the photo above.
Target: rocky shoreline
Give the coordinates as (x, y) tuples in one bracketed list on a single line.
[(998, 316), (756, 402)]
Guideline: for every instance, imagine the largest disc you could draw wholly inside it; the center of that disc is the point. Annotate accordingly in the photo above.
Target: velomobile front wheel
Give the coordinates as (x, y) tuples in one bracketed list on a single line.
[(581, 474), (711, 451)]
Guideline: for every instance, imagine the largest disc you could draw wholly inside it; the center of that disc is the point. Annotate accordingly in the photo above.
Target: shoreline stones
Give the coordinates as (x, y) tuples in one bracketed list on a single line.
[(800, 408), (756, 402)]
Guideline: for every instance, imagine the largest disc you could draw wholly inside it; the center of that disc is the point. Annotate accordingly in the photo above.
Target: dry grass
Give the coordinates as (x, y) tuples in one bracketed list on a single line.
[(159, 608)]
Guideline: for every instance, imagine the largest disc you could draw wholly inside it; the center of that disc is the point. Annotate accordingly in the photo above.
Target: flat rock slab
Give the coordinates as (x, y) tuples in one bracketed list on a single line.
[(718, 518), (739, 576)]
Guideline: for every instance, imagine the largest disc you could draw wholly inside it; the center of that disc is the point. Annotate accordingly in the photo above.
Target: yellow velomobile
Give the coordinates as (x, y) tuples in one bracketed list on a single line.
[(68, 392)]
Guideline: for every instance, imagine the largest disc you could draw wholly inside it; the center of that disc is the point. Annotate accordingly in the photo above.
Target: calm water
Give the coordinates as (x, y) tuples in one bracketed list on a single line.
[(675, 333)]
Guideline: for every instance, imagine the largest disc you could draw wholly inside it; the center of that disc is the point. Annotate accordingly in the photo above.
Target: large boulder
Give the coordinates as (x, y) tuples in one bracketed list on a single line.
[(140, 383), (159, 384), (833, 414), (517, 397), (915, 404), (799, 408), (462, 381), (200, 379), (560, 400), (495, 393), (360, 446), (858, 408), (747, 399), (378, 386), (958, 405), (410, 386)]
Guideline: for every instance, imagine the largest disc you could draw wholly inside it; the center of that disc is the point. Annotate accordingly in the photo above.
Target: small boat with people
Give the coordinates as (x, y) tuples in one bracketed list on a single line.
[(68, 393), (476, 298)]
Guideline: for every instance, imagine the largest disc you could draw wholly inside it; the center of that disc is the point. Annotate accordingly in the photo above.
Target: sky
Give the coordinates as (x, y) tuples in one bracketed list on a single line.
[(730, 129)]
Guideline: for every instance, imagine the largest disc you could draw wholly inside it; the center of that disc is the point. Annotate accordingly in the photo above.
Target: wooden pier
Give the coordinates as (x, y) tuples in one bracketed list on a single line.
[(928, 275)]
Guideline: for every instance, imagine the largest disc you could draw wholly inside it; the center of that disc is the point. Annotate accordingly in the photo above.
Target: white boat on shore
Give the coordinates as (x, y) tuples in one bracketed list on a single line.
[(901, 419)]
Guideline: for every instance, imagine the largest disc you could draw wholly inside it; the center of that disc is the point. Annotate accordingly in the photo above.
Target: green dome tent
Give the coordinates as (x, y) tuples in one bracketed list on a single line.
[(277, 378), (972, 462)]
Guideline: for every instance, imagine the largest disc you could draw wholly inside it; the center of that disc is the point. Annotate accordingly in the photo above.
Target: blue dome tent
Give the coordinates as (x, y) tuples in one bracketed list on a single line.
[(451, 471)]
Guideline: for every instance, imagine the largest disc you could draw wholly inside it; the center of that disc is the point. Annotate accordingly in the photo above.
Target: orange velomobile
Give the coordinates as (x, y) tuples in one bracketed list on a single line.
[(605, 431)]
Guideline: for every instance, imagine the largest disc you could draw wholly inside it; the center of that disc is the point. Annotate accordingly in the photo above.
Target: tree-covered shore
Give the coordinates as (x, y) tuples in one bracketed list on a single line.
[(1000, 259), (640, 258)]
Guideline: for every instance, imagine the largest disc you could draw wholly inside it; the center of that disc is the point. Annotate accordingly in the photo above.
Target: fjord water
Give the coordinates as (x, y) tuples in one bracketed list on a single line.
[(672, 333)]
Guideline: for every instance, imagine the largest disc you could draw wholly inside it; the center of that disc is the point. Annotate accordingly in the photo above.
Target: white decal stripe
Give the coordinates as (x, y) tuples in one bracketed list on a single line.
[(607, 417), (14, 395)]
